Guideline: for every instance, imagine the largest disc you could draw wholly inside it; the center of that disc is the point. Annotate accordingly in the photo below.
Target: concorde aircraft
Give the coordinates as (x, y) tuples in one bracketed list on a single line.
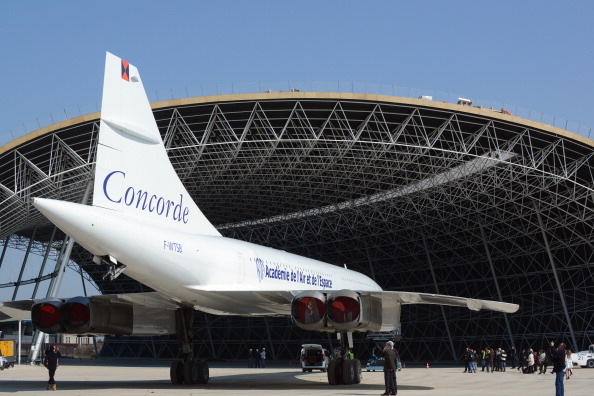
[(144, 223)]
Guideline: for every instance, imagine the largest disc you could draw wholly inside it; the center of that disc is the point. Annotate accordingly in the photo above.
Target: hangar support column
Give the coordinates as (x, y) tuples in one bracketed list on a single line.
[(488, 252), (18, 282), (270, 345), (558, 283), (44, 262), (445, 319), (372, 272), (4, 250)]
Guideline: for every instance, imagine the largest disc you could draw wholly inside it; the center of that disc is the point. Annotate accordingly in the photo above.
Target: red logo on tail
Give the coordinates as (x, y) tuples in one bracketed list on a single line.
[(125, 70)]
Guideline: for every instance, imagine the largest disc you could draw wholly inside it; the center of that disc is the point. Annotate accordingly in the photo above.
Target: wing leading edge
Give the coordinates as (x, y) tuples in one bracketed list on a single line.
[(273, 303), (441, 299), (15, 310)]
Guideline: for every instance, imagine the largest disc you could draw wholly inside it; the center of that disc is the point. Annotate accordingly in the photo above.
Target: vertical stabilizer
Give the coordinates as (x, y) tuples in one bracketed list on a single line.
[(133, 173)]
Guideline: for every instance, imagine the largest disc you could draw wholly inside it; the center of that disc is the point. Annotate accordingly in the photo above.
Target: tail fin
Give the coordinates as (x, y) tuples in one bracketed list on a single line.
[(133, 173)]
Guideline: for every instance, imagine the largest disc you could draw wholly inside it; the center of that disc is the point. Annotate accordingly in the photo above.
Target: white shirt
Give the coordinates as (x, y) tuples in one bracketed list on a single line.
[(568, 362)]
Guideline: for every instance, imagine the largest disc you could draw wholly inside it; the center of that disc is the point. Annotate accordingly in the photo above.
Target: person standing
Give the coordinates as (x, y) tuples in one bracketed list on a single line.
[(263, 358), (50, 361), (559, 365), (549, 357), (568, 364), (530, 361), (513, 356), (466, 358), (390, 355), (542, 361), (484, 353), (498, 359), (251, 359), (257, 358), (491, 359), (523, 365), (473, 359)]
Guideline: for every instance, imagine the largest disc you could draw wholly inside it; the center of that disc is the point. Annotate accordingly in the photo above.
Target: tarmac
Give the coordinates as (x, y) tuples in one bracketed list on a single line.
[(130, 378)]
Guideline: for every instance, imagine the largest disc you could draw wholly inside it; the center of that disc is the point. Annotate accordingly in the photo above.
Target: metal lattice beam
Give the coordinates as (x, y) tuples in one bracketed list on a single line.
[(423, 196)]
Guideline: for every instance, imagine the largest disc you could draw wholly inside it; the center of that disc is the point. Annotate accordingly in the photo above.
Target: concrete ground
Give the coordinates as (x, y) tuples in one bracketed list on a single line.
[(89, 378)]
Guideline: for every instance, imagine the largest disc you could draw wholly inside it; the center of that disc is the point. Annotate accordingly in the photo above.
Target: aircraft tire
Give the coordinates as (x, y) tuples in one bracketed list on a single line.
[(331, 379), (176, 372), (348, 372), (335, 371), (203, 372), (358, 374), (191, 372)]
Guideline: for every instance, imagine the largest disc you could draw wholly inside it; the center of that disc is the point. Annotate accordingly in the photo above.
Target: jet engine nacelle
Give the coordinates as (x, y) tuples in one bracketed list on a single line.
[(308, 310), (344, 310), (102, 315), (83, 315), (47, 316)]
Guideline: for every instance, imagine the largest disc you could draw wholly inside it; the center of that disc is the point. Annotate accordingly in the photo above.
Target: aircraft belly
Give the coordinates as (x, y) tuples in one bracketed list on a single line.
[(241, 302)]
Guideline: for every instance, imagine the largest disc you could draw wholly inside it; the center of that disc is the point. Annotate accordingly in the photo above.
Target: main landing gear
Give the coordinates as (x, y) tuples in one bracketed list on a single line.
[(343, 370), (187, 370)]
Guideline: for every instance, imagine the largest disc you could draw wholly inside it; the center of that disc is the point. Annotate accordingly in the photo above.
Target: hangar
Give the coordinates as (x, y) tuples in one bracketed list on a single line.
[(419, 195)]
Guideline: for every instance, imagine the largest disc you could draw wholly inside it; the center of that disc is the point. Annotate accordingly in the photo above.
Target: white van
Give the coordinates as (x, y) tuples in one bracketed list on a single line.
[(584, 358), (313, 356)]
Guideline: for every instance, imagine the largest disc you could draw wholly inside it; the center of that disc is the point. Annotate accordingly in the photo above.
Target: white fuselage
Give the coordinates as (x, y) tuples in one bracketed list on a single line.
[(181, 265)]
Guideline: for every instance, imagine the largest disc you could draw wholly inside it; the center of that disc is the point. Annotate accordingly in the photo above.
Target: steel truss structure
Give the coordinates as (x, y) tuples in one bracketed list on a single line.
[(421, 196)]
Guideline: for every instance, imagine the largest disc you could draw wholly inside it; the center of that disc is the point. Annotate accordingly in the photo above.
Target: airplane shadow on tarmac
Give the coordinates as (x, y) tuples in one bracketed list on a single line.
[(241, 381)]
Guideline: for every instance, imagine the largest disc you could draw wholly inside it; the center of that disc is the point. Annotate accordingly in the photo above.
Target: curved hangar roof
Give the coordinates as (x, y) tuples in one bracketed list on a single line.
[(420, 195)]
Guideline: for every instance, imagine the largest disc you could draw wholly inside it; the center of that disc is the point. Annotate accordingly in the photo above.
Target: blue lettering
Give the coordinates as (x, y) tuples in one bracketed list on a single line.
[(178, 208), (172, 246), (141, 195), (159, 204), (325, 283), (129, 196), (169, 204), (277, 273), (151, 206), (105, 186)]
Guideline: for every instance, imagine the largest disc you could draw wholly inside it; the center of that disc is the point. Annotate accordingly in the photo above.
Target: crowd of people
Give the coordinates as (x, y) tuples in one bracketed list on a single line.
[(556, 358), (257, 358), (527, 361), (489, 358)]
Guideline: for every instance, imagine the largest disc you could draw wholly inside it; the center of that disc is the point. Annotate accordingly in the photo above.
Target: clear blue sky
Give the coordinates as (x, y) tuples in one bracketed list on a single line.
[(537, 55)]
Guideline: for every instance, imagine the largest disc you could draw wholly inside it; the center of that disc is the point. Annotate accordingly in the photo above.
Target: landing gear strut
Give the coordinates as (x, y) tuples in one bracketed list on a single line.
[(114, 269), (187, 370), (343, 370)]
